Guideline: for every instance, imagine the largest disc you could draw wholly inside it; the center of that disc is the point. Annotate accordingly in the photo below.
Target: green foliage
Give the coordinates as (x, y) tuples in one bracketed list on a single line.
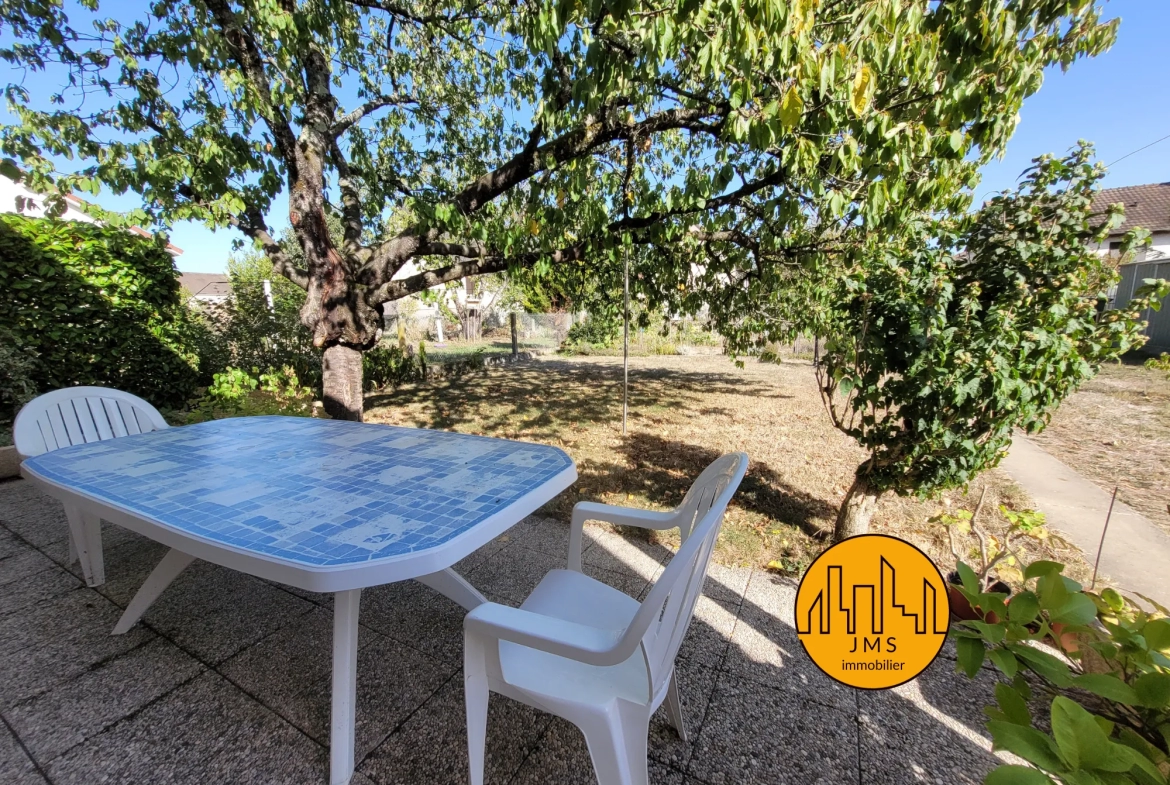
[(245, 332), (95, 305), (17, 367), (601, 330), (1160, 363), (939, 345), (386, 365), (235, 392), (738, 135), (1108, 697)]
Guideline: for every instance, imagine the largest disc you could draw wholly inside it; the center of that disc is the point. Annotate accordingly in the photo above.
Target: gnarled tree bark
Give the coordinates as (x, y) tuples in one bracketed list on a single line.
[(856, 511)]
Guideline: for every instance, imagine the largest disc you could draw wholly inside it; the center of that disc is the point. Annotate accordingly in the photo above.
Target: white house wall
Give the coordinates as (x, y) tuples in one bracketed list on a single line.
[(34, 206)]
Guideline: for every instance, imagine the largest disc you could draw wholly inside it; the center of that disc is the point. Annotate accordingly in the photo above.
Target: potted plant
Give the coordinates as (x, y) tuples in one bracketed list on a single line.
[(994, 553), (1108, 703)]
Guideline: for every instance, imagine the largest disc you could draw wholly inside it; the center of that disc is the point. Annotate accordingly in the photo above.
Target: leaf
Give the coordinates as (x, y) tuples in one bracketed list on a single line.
[(1080, 740), (1107, 686), (968, 578), (1157, 634), (791, 108), (862, 93), (1006, 662), (1077, 610), (1153, 690), (970, 653), (1023, 608), (1011, 774), (1013, 705), (1039, 568), (1029, 743)]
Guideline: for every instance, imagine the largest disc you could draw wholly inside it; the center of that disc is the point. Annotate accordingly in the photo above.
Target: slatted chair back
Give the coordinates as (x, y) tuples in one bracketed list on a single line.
[(666, 612), (79, 415)]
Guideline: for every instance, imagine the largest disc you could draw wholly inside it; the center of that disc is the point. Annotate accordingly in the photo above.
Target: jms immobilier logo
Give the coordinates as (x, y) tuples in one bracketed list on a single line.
[(872, 611)]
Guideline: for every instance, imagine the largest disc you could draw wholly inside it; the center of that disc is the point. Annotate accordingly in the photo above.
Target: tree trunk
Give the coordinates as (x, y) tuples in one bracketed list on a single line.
[(856, 511), (341, 367)]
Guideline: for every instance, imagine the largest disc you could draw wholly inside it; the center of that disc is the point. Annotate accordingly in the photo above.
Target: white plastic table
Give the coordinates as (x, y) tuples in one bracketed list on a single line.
[(323, 505)]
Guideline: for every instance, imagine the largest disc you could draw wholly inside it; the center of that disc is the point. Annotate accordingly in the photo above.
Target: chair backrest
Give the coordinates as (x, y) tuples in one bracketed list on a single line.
[(666, 612), (78, 415)]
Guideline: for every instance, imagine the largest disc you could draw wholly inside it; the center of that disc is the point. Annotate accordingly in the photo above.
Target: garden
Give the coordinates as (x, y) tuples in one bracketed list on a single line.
[(761, 217)]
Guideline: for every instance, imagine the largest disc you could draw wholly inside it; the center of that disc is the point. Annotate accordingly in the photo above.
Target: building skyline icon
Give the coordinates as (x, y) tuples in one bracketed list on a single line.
[(856, 601)]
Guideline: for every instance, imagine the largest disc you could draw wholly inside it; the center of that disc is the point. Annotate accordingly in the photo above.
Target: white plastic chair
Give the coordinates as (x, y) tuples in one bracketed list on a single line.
[(591, 654), (79, 415)]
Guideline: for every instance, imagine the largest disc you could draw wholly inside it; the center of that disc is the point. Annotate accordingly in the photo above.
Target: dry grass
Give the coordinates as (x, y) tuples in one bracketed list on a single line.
[(1116, 431), (684, 412)]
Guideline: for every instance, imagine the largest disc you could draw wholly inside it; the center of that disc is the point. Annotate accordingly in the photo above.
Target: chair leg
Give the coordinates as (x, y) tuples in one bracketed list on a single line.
[(162, 576), (617, 744), (476, 695), (674, 707)]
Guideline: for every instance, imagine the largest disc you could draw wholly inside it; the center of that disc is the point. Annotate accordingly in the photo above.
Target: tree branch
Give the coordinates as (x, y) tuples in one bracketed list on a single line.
[(345, 121)]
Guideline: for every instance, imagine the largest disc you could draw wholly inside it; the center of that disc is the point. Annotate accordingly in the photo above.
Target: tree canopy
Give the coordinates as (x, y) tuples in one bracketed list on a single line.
[(460, 137)]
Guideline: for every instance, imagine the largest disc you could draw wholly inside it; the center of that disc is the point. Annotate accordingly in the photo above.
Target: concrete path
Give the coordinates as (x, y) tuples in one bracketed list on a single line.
[(1136, 554)]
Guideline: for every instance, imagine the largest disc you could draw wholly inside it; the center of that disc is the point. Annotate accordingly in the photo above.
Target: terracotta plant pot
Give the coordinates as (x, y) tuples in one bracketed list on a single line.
[(1065, 641), (961, 609)]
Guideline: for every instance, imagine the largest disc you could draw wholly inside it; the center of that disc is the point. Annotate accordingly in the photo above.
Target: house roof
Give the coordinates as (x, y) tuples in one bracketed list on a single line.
[(206, 284), (1146, 206)]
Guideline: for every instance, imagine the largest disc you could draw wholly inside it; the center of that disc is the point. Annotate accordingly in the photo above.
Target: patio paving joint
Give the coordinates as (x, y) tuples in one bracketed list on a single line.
[(20, 743), (406, 719)]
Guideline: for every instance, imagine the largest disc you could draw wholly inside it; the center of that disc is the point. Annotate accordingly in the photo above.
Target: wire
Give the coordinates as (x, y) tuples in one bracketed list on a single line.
[(1135, 152)]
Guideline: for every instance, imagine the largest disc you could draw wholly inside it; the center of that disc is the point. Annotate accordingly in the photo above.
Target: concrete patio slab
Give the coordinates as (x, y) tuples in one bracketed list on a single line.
[(16, 767), (227, 680), (757, 734), (289, 672), (71, 712)]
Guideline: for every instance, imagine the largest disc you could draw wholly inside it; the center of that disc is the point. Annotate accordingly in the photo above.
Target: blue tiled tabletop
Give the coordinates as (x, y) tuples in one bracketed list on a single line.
[(316, 492)]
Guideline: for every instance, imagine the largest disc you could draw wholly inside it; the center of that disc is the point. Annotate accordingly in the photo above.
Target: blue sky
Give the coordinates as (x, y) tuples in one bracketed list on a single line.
[(1120, 101)]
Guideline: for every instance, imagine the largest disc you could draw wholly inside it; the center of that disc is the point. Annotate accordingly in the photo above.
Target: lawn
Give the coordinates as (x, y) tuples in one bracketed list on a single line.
[(684, 412), (1116, 431)]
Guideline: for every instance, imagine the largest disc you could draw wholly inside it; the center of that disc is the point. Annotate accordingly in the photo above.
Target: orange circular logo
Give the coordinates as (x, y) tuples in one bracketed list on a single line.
[(872, 611)]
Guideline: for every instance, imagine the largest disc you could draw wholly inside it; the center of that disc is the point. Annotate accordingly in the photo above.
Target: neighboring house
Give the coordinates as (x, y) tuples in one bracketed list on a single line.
[(207, 287), (16, 198), (1147, 207)]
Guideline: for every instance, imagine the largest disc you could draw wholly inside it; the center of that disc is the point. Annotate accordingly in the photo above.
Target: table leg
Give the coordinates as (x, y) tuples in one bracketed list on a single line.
[(85, 531), (162, 576), (345, 651), (455, 587)]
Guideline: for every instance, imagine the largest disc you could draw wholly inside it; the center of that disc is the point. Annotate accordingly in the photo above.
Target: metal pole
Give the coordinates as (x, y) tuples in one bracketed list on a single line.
[(1101, 544), (625, 337)]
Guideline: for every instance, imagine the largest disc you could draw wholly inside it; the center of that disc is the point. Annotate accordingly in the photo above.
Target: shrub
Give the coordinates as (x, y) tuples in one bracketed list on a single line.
[(600, 330), (245, 332), (95, 305), (1160, 363), (17, 367), (236, 393), (1107, 697), (388, 365)]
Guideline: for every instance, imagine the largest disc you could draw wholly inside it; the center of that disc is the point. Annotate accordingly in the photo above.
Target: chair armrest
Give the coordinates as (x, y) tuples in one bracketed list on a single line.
[(619, 516), (580, 642)]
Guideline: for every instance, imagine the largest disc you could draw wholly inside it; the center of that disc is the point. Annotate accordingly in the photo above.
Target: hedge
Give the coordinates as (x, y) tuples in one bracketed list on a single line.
[(96, 305)]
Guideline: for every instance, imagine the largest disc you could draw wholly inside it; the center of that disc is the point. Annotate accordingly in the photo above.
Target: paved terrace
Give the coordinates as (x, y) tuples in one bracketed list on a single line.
[(227, 679)]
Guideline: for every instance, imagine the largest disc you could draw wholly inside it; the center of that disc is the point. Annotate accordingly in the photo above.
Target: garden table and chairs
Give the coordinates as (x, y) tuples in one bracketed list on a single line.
[(336, 506), (321, 505)]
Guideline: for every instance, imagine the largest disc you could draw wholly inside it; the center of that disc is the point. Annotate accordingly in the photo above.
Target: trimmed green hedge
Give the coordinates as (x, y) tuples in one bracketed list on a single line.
[(96, 305)]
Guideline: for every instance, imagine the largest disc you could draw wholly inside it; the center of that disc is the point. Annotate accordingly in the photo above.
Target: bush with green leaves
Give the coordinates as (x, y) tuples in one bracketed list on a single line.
[(598, 331), (95, 305), (387, 365), (235, 392), (250, 331), (939, 346), (1107, 695), (1160, 363), (17, 367)]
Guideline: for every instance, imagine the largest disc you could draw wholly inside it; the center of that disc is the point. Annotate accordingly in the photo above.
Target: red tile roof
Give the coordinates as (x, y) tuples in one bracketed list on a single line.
[(1147, 206)]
